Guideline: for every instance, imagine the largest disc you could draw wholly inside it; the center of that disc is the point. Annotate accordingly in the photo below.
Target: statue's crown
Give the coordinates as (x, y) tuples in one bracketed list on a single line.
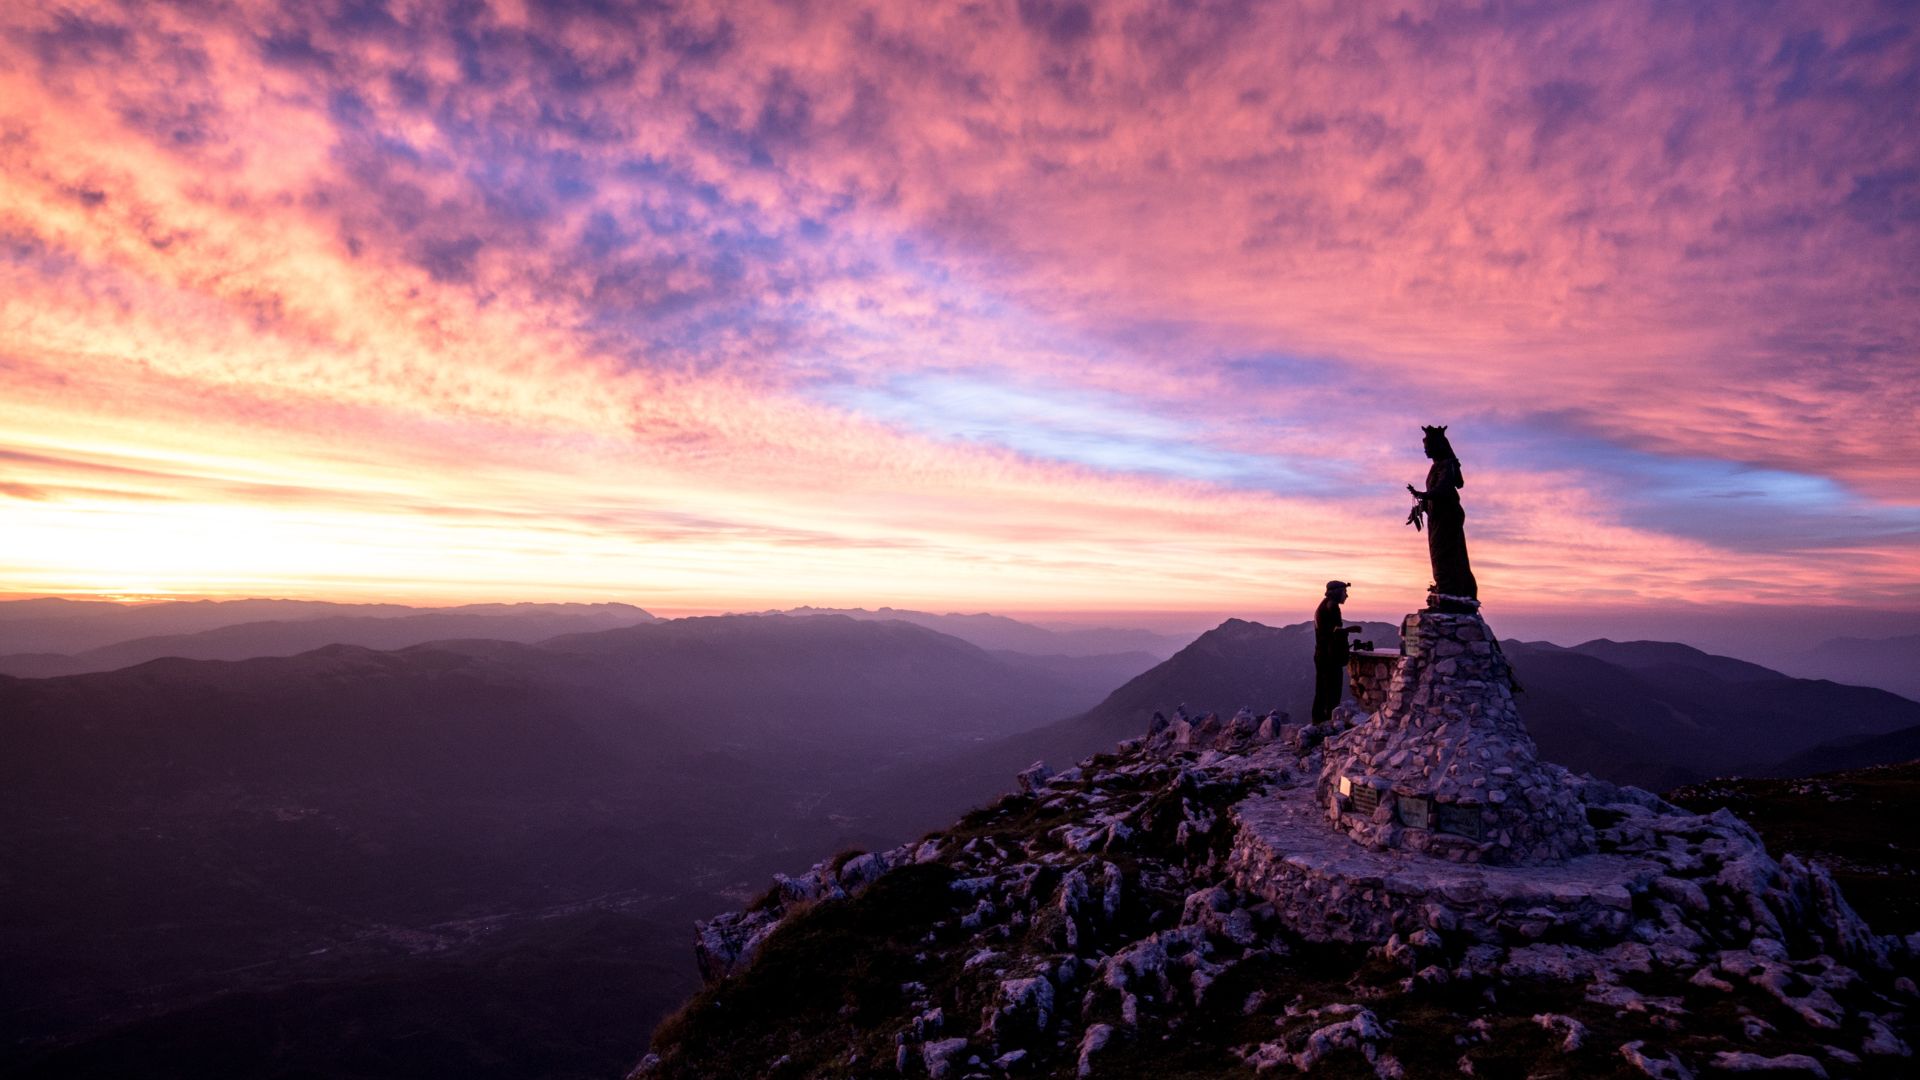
[(1429, 429)]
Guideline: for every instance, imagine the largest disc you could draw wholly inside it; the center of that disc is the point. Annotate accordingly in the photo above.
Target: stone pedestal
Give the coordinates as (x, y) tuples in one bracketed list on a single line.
[(1326, 888), (1370, 676), (1445, 766)]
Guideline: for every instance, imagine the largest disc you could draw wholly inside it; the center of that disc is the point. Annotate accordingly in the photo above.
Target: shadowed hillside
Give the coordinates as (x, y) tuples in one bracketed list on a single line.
[(1854, 752), (192, 846)]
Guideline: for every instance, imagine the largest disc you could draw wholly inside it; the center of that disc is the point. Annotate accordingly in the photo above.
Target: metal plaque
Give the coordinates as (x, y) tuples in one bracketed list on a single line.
[(1458, 820), (1415, 811), (1366, 799)]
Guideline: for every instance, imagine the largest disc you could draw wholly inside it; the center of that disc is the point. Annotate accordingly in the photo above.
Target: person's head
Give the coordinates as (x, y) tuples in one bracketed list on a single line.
[(1337, 591), (1434, 441)]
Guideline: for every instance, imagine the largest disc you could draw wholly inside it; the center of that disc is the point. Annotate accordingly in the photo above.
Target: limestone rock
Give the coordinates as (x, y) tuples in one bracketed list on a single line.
[(1092, 1043), (1361, 1031), (1033, 776), (1787, 1064), (1022, 1010), (1572, 1032), (938, 1057), (1659, 1068)]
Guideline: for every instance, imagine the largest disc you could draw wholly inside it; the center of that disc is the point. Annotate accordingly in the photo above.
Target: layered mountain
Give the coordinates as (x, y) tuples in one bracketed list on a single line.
[(206, 859), (998, 632), (38, 627), (1661, 714), (59, 625), (1669, 658), (771, 671), (1890, 663), (1652, 713), (1096, 675)]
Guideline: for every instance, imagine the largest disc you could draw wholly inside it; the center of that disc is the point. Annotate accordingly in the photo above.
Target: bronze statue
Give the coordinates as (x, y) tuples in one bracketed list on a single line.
[(1330, 650), (1446, 521)]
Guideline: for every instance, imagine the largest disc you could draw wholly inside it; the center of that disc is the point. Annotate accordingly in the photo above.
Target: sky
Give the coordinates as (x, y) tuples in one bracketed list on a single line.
[(1025, 306)]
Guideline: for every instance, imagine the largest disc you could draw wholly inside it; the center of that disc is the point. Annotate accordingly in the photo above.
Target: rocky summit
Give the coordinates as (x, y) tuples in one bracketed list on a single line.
[(1406, 891)]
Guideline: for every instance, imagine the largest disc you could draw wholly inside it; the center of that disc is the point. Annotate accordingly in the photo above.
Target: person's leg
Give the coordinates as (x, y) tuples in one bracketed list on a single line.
[(1326, 691)]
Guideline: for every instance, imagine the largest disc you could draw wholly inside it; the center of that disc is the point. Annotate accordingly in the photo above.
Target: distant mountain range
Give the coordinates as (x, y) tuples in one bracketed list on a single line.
[(57, 625), (1660, 714), (43, 638), (1889, 663), (997, 632), (818, 678)]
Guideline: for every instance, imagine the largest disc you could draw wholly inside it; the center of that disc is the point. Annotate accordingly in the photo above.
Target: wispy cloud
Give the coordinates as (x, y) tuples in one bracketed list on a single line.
[(1020, 304)]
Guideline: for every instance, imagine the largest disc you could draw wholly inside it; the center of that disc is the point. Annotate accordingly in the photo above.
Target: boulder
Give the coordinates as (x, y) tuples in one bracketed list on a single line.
[(1097, 1039), (1033, 777), (938, 1057)]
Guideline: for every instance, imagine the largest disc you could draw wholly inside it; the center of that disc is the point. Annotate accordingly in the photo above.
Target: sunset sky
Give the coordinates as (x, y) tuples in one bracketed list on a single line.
[(1026, 306)]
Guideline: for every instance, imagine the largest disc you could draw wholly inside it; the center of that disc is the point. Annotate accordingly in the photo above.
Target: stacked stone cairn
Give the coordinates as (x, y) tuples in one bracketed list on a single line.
[(1370, 674), (1445, 766)]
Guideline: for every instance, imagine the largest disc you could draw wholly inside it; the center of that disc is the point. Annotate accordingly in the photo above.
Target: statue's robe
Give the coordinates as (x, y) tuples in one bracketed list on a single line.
[(1447, 532)]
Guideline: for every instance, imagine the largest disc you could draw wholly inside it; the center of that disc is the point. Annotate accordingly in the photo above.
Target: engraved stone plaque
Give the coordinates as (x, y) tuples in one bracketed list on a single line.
[(1458, 820), (1366, 799)]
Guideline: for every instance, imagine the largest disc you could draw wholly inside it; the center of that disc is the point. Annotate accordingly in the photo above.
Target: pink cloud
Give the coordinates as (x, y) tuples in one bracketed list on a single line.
[(574, 283)]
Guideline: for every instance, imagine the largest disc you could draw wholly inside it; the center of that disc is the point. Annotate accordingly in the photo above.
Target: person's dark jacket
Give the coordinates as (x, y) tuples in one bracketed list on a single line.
[(1330, 643)]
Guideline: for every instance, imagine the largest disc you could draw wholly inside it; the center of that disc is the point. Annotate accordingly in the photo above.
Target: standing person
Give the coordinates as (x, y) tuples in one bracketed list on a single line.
[(1330, 648)]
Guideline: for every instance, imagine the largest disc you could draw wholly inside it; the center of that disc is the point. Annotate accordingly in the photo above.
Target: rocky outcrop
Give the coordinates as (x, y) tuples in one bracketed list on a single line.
[(1150, 911), (728, 943)]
